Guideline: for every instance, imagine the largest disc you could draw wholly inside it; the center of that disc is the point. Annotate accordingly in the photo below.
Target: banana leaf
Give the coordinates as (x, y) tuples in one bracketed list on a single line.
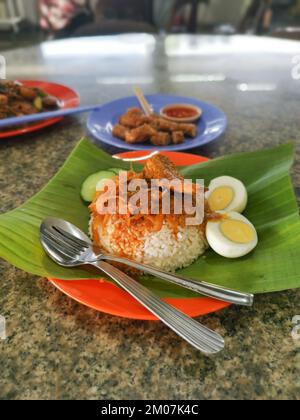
[(273, 266)]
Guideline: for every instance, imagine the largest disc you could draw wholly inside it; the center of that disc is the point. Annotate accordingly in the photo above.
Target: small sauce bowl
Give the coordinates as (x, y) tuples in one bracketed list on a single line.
[(185, 113)]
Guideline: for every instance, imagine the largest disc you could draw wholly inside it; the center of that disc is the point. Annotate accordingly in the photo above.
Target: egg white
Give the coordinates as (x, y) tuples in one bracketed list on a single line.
[(240, 199), (224, 246)]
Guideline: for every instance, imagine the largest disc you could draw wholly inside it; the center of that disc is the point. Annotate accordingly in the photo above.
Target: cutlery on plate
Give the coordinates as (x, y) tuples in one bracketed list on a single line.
[(57, 238), (61, 232), (143, 101), (26, 119)]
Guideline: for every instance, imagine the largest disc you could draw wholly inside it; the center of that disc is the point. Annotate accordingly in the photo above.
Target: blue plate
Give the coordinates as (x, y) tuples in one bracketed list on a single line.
[(100, 123)]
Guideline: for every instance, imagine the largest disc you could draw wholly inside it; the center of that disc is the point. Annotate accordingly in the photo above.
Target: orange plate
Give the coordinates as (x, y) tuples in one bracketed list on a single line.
[(108, 298), (68, 99)]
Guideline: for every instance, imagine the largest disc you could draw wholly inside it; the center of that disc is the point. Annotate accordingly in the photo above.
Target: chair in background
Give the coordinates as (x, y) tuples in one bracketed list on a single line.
[(184, 16), (117, 16), (11, 14)]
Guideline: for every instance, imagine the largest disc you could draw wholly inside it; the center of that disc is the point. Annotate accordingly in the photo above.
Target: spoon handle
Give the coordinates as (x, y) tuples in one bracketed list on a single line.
[(7, 122), (206, 289), (199, 336)]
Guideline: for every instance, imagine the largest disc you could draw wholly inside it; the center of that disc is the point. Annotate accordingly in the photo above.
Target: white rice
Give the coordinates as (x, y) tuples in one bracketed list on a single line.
[(163, 250), (160, 249)]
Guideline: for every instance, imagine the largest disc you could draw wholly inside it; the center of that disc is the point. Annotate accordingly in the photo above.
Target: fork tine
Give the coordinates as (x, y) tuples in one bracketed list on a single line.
[(70, 237), (68, 251), (50, 246), (56, 246), (66, 242)]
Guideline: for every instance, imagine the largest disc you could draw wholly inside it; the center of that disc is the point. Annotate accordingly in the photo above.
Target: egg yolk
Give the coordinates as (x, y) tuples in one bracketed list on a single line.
[(220, 198), (237, 231)]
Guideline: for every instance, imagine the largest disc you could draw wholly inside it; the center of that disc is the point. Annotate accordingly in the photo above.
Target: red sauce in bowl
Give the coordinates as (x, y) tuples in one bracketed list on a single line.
[(181, 112)]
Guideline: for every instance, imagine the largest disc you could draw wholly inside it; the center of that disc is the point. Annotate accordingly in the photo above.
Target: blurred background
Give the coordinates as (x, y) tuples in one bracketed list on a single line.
[(25, 22)]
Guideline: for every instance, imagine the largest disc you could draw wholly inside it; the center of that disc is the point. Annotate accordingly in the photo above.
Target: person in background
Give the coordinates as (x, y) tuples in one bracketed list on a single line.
[(58, 17), (119, 16)]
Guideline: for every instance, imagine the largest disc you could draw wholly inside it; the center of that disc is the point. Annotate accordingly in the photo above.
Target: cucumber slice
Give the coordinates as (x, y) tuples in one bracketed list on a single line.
[(89, 186)]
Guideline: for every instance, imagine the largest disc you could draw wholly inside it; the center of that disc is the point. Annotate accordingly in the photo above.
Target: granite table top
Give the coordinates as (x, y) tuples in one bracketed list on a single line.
[(59, 349)]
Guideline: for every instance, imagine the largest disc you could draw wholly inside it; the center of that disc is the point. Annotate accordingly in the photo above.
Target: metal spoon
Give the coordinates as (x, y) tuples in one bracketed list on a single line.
[(216, 292), (60, 240), (7, 122)]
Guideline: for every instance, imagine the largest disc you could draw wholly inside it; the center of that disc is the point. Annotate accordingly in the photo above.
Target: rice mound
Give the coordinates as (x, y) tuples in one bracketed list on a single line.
[(163, 249)]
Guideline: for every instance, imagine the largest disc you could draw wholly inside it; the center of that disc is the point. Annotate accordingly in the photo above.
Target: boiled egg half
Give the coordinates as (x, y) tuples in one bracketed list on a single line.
[(227, 194), (232, 235)]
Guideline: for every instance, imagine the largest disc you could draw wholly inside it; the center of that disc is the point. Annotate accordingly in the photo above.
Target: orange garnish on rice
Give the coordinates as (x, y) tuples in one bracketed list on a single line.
[(127, 234)]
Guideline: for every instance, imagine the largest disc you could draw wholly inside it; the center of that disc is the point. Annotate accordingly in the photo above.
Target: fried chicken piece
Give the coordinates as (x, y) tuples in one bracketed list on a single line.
[(130, 121), (18, 100), (9, 84), (134, 111), (133, 121), (3, 100), (154, 121), (27, 93), (165, 125), (120, 131), (139, 134), (159, 167), (24, 108), (188, 129), (161, 139), (133, 118), (177, 137), (50, 102)]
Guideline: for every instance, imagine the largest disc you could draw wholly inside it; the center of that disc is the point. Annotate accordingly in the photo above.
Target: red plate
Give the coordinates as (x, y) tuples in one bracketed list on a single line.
[(105, 297), (67, 97)]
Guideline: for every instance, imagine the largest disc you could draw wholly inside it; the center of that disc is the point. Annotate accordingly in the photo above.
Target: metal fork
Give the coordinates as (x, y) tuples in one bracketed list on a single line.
[(57, 238), (88, 252)]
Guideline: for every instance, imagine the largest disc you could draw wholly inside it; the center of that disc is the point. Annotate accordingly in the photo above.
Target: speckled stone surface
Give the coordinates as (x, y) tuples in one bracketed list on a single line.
[(58, 349)]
